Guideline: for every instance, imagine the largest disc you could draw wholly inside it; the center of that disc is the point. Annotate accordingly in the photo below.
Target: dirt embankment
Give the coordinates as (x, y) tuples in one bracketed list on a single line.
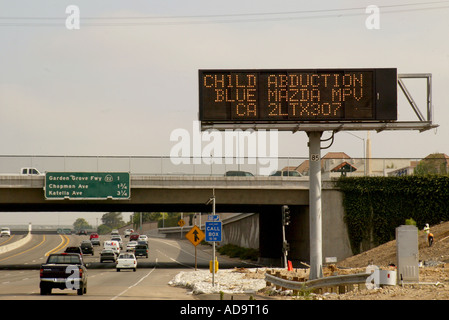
[(385, 254), (433, 275)]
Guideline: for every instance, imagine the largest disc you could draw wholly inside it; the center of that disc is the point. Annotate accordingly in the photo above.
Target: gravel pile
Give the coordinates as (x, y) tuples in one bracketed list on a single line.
[(230, 281)]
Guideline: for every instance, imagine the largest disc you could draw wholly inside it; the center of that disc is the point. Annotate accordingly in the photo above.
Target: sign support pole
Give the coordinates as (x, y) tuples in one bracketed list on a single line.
[(213, 243), (195, 236), (316, 257)]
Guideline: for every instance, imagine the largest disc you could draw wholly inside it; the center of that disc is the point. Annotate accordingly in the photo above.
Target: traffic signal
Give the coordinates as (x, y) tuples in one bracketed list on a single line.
[(285, 215)]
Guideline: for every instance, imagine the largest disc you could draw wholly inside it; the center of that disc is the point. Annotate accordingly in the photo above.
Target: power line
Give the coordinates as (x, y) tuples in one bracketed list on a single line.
[(219, 18), (234, 14)]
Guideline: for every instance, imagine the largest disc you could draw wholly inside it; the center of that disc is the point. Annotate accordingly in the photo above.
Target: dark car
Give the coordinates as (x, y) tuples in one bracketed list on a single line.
[(238, 174), (108, 255), (64, 231), (87, 247), (141, 250), (82, 232), (73, 250), (286, 173)]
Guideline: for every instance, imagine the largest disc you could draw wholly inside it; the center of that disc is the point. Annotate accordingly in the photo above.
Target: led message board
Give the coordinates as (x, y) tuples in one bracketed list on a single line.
[(319, 95)]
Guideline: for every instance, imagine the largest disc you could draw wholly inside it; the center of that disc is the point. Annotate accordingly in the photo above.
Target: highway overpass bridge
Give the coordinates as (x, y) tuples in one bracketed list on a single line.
[(167, 193)]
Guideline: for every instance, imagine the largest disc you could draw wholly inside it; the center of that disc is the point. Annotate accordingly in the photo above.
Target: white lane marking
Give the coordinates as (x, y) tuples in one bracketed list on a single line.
[(135, 284), (174, 260), (177, 246)]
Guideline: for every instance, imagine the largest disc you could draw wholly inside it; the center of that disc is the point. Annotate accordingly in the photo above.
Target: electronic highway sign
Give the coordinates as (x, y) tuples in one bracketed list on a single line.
[(87, 185), (297, 95)]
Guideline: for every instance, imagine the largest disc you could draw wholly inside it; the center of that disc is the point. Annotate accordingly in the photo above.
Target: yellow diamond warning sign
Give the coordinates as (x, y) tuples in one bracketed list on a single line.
[(195, 235)]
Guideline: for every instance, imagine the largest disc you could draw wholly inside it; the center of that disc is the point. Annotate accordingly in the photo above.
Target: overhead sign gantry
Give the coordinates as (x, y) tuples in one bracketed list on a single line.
[(313, 101)]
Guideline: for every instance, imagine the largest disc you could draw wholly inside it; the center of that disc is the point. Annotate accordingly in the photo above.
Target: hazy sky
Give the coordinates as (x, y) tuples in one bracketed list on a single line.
[(129, 76), (52, 218), (121, 86)]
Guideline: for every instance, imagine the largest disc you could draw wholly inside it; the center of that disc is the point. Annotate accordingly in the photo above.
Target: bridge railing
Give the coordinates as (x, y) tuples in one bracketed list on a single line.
[(218, 166)]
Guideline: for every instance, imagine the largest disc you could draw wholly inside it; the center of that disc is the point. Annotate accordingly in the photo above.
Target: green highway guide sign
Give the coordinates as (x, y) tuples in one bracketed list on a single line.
[(87, 185)]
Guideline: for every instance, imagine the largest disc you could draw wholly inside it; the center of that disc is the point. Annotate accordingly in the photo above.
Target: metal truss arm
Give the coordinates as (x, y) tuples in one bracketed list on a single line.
[(409, 97)]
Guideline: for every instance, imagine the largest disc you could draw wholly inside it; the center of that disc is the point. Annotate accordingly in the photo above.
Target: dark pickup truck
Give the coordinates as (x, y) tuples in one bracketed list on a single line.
[(141, 250), (63, 271)]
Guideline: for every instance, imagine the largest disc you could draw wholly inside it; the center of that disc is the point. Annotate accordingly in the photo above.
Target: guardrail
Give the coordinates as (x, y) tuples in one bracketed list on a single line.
[(331, 165), (340, 281)]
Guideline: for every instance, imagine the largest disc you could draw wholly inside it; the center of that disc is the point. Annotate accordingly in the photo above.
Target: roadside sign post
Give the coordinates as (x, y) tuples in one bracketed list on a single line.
[(195, 236), (181, 223), (213, 232), (213, 247)]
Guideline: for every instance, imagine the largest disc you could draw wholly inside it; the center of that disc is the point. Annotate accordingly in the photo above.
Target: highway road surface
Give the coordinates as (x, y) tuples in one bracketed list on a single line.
[(19, 270)]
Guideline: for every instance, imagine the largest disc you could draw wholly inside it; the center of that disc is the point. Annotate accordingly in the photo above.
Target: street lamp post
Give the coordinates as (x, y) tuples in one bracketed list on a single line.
[(364, 150)]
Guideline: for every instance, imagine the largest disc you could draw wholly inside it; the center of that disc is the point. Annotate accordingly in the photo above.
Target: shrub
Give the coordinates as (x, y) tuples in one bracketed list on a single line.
[(376, 206), (234, 251)]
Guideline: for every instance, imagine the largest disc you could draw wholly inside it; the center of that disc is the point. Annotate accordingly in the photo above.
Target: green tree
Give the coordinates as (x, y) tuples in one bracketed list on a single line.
[(103, 229), (81, 223), (113, 219), (436, 163), (146, 217)]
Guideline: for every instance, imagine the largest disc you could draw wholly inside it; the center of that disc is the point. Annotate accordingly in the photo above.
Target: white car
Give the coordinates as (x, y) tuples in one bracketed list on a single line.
[(131, 245), (143, 237), (5, 232), (126, 261), (128, 232)]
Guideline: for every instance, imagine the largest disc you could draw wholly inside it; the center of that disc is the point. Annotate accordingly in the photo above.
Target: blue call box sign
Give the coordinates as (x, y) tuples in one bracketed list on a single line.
[(213, 231)]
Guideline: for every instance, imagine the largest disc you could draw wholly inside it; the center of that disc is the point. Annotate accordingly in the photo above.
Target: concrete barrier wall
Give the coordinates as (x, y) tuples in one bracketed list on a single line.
[(16, 244), (242, 230)]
